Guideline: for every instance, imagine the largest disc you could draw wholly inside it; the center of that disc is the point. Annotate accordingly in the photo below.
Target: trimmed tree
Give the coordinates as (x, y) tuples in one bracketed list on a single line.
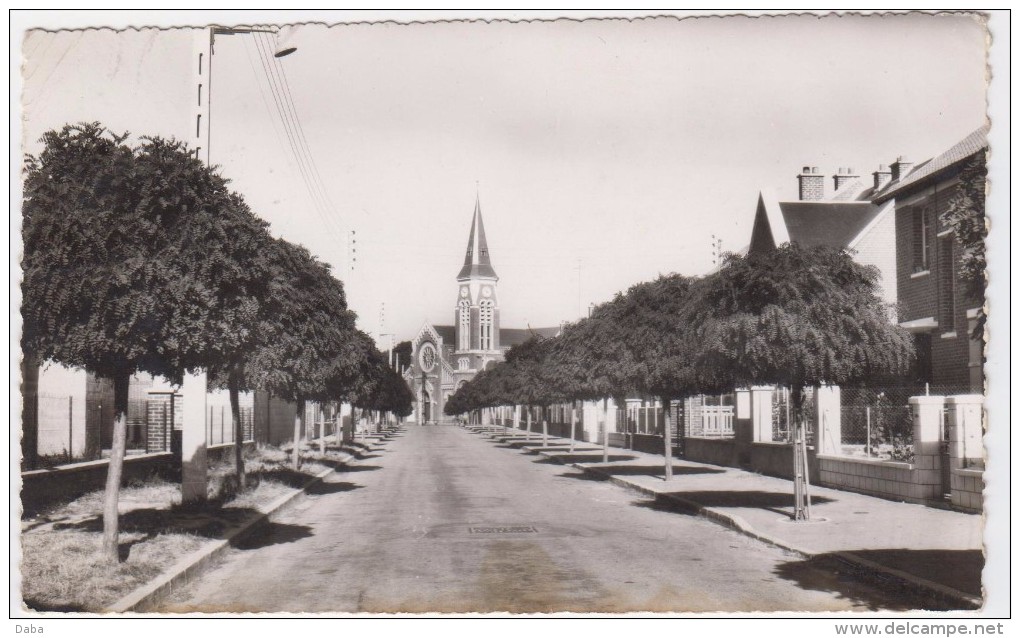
[(127, 268), (307, 339), (797, 317)]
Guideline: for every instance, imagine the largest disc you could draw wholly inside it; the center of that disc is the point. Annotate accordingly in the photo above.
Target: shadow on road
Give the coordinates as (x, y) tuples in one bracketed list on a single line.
[(358, 468), (272, 534), (323, 488), (781, 504), (960, 569), (584, 458), (830, 573)]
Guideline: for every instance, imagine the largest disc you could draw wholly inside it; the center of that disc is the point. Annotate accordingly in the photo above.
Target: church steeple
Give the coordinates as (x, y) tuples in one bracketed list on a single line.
[(476, 261)]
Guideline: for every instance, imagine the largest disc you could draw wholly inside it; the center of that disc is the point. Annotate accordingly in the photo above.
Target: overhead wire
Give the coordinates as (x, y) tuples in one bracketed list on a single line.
[(290, 130), (301, 131)]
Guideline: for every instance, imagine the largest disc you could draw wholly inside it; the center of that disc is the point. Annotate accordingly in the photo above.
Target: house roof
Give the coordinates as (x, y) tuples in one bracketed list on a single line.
[(825, 222), (968, 146), (515, 336), (476, 260)]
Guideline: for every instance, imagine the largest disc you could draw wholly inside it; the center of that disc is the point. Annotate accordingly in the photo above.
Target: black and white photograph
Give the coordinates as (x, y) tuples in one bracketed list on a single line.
[(510, 314)]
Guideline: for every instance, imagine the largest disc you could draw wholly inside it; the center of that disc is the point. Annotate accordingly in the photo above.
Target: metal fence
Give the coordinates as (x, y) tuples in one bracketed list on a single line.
[(876, 422)]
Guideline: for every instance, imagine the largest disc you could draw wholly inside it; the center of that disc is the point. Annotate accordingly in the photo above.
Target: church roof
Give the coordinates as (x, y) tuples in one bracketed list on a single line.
[(507, 336), (448, 334), (476, 261)]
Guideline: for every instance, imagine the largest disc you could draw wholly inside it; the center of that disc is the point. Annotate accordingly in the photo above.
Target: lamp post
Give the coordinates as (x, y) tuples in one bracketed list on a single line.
[(194, 389)]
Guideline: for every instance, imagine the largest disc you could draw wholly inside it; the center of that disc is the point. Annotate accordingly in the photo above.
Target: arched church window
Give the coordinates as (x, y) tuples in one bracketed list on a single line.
[(485, 324), (465, 325)]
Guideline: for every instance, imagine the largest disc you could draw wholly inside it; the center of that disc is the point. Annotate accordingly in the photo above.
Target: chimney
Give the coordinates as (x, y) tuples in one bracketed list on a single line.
[(843, 177), (882, 177), (812, 183), (901, 167)]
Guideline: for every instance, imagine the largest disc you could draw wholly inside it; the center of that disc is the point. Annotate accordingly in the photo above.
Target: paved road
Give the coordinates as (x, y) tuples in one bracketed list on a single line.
[(443, 520)]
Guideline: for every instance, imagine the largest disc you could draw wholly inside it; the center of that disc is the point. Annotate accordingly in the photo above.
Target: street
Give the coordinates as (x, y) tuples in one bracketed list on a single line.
[(439, 519)]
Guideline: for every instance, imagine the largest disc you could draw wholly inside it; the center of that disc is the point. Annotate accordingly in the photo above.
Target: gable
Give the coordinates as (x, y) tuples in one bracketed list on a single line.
[(761, 234)]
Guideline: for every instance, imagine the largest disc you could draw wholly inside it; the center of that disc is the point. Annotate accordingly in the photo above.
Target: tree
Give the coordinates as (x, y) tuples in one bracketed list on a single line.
[(127, 270), (654, 322), (796, 317), (965, 215), (307, 344), (401, 355)]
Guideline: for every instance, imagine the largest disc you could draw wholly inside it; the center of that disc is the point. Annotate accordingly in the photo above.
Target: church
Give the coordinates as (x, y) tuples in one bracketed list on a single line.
[(443, 357)]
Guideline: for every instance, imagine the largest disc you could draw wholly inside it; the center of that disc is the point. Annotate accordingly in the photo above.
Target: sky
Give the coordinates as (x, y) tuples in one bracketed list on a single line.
[(603, 152)]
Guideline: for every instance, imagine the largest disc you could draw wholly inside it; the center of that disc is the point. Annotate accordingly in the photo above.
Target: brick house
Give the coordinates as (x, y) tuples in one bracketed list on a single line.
[(892, 222), (932, 303)]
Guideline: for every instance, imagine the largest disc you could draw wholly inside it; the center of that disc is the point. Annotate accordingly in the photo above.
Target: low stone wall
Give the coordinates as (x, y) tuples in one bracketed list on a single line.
[(714, 451), (43, 488), (650, 443), (967, 488), (771, 459), (886, 479)]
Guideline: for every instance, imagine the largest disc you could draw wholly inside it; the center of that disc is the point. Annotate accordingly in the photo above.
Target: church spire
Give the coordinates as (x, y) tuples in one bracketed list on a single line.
[(476, 261)]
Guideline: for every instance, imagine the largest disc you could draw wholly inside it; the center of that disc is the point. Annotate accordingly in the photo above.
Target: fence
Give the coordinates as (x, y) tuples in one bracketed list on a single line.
[(877, 423), (782, 414), (709, 416), (61, 430)]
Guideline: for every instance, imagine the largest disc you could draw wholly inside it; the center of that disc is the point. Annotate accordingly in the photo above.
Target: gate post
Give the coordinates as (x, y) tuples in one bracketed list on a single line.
[(926, 412), (194, 475)]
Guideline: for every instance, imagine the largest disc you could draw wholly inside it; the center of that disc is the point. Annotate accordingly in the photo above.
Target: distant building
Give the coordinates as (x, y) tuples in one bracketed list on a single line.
[(443, 357)]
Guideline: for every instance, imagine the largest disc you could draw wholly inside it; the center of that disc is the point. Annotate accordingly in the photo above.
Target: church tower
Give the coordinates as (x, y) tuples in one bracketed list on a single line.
[(476, 317)]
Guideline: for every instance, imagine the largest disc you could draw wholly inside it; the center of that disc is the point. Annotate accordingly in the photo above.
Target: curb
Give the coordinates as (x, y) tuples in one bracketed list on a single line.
[(194, 564), (741, 526)]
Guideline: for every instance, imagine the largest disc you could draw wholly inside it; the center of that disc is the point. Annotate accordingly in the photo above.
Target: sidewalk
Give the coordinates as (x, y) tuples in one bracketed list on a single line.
[(934, 549)]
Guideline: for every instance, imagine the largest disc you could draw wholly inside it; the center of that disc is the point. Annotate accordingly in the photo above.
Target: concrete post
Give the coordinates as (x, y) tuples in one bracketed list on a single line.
[(829, 438), (966, 447), (761, 413), (194, 470), (927, 474)]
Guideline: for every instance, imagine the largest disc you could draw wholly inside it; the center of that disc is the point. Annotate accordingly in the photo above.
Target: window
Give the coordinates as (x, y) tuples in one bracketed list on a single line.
[(462, 363), (485, 325), (198, 125), (465, 326), (921, 248), (947, 285), (200, 95)]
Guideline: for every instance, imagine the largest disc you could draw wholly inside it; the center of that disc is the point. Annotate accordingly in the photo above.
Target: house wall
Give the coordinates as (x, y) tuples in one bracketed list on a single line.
[(919, 291), (878, 248)]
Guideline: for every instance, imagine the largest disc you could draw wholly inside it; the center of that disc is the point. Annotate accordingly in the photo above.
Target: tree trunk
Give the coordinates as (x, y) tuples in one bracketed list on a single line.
[(115, 470), (528, 438), (802, 495), (545, 429), (573, 424), (299, 419), (322, 432), (667, 440), (233, 388), (30, 412), (605, 430), (339, 424)]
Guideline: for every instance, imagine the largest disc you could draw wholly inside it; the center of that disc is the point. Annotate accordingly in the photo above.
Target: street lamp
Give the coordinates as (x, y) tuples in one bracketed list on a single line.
[(204, 50)]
